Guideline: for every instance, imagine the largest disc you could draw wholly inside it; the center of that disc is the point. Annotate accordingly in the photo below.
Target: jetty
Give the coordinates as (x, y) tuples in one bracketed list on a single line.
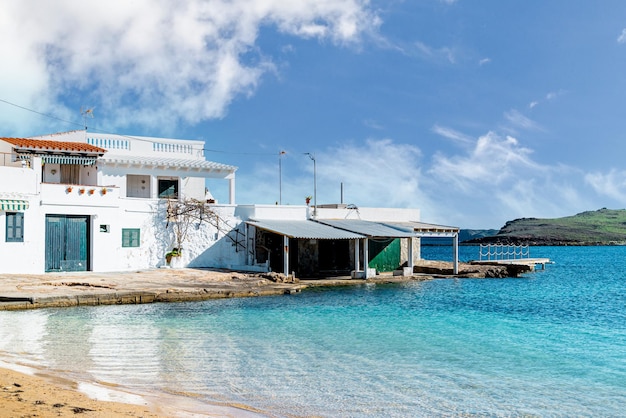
[(509, 255)]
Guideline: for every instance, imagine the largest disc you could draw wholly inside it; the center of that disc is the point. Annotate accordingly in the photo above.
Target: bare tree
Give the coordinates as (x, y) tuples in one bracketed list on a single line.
[(183, 214)]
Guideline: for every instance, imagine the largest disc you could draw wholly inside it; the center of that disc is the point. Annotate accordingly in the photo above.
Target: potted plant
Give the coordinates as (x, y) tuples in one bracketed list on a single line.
[(176, 252), (308, 200), (69, 189)]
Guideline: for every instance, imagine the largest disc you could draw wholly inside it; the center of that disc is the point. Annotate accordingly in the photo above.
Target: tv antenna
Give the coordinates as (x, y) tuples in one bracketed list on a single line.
[(86, 113)]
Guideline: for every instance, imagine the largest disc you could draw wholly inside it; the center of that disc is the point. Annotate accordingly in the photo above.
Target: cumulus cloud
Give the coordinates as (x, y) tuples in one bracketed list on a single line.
[(492, 160), (146, 62)]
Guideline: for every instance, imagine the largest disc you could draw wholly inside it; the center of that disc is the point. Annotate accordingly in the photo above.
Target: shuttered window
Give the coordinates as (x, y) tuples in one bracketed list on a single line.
[(130, 237), (15, 227)]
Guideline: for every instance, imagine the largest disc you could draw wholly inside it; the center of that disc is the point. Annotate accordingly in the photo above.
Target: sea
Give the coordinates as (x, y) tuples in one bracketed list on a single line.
[(549, 344)]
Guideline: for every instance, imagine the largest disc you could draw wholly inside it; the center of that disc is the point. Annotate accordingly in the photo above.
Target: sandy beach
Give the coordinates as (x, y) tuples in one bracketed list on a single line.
[(26, 395)]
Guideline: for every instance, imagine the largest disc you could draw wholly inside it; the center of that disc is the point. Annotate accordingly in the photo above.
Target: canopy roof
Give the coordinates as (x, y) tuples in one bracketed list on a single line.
[(193, 165), (370, 229), (303, 229)]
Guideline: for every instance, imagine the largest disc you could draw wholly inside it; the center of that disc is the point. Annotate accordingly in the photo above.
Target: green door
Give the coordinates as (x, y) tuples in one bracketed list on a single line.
[(384, 254), (67, 243)]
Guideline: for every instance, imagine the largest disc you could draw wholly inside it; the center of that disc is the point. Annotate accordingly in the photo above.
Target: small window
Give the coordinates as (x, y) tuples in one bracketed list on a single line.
[(130, 237), (168, 189), (15, 226)]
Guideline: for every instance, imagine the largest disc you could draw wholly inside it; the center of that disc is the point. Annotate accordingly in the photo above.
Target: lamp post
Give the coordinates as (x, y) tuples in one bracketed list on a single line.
[(312, 157), (280, 177)]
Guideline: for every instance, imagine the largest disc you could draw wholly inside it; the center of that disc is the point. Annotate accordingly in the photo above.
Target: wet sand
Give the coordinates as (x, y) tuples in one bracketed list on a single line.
[(25, 395), (31, 392)]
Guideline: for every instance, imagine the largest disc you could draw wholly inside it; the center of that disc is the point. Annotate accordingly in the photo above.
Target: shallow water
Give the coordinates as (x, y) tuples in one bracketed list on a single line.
[(550, 344)]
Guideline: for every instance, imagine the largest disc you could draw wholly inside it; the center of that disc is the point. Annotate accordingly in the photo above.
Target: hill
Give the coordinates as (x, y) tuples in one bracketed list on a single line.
[(600, 227)]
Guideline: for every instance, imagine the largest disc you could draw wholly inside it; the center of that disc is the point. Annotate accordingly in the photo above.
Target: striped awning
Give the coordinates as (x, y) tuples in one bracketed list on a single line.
[(69, 159), (13, 204)]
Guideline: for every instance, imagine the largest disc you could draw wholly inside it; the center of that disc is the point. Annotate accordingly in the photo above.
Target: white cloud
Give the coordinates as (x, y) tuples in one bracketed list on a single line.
[(611, 184), (150, 62), (518, 120), (622, 37), (484, 61), (452, 134), (494, 180), (435, 54)]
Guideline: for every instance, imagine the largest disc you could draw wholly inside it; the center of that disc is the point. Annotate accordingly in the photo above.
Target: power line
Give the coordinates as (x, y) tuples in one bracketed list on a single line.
[(39, 113), (95, 130)]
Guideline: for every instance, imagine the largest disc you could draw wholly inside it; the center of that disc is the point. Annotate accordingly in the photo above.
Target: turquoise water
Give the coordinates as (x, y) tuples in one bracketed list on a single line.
[(550, 344)]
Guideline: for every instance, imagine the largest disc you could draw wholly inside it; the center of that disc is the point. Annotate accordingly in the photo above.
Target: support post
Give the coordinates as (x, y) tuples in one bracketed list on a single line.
[(231, 190), (286, 255), (366, 256), (357, 261), (455, 249), (410, 262)]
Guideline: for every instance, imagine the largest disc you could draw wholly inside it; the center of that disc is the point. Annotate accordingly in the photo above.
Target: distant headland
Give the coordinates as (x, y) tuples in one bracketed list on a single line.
[(600, 227)]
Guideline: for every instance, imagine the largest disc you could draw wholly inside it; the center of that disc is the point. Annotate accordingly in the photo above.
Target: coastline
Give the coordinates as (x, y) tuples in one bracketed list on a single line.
[(19, 292)]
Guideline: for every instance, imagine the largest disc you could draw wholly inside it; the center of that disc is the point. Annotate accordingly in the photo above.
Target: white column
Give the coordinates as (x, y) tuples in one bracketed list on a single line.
[(455, 248), (286, 255), (366, 256), (410, 262), (357, 262), (231, 190)]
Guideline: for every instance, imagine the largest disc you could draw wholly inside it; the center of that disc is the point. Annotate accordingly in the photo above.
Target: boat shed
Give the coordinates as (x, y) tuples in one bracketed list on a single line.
[(326, 247), (381, 245), (305, 246)]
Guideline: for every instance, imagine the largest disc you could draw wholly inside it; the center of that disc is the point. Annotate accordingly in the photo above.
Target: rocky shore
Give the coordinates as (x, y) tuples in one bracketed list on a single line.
[(174, 285)]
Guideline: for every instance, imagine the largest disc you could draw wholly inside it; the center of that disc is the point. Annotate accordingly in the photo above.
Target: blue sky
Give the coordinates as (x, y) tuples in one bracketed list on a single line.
[(476, 112)]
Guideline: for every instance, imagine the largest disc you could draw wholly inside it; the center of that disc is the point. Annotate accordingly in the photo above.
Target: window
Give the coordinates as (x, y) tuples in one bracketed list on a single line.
[(137, 186), (168, 189), (15, 226), (130, 237)]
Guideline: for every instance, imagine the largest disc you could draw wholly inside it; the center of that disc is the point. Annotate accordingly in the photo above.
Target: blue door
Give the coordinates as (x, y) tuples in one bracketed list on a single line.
[(67, 243)]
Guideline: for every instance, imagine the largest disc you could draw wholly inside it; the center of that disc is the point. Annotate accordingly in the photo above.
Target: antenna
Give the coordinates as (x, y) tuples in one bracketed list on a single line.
[(86, 112)]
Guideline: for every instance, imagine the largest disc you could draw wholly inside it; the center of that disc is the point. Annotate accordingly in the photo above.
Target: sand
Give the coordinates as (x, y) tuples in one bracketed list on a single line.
[(24, 395)]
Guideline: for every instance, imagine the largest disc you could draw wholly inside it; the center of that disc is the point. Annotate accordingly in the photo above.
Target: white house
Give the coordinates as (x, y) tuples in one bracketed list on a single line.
[(80, 201)]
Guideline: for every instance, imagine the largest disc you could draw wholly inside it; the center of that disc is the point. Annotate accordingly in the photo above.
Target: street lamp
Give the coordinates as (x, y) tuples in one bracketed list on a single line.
[(280, 177), (312, 157)]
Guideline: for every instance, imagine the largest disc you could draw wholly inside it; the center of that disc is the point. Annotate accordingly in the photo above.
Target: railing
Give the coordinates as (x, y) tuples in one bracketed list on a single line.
[(494, 252), (109, 143)]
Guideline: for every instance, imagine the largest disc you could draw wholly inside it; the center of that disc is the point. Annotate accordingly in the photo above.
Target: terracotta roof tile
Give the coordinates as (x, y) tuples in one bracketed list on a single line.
[(47, 145)]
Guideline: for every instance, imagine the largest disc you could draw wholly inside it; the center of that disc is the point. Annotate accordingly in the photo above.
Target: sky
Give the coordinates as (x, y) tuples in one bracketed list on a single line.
[(475, 112)]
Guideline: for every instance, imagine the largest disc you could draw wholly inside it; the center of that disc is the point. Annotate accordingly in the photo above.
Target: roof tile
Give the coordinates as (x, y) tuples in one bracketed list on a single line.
[(47, 145)]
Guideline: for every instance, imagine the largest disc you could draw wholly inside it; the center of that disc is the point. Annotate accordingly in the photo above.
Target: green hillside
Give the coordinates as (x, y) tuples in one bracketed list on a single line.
[(601, 227)]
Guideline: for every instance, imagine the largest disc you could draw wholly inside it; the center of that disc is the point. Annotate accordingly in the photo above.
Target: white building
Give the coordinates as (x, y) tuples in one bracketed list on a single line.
[(79, 201)]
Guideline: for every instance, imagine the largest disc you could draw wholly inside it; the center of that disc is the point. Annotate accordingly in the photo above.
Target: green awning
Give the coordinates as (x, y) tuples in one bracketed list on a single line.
[(13, 205), (69, 159)]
